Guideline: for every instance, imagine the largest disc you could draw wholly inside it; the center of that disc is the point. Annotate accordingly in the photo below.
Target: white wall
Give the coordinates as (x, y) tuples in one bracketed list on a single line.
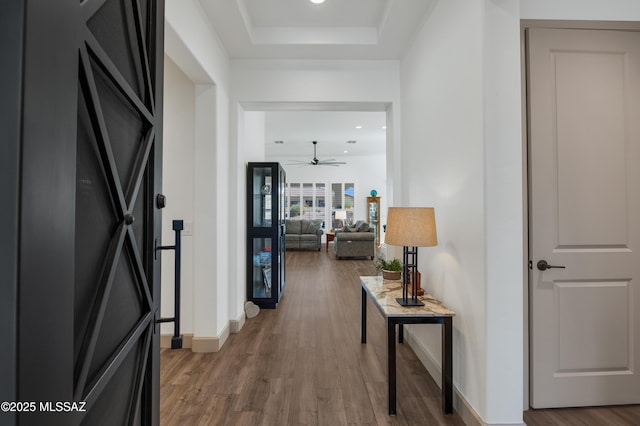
[(441, 80), (178, 186), (193, 45), (254, 134), (461, 150), (505, 263)]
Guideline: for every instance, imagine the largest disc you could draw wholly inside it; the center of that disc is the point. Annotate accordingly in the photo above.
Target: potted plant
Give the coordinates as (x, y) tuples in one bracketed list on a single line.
[(391, 269)]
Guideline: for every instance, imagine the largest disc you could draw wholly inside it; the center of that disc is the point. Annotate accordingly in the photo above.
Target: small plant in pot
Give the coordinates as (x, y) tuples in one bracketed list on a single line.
[(391, 269)]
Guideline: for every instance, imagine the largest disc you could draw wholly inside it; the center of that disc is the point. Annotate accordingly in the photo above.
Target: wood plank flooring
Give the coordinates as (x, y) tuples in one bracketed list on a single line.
[(302, 363), (626, 415)]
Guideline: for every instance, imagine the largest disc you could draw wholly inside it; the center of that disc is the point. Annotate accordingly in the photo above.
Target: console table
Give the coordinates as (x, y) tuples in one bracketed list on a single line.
[(383, 294)]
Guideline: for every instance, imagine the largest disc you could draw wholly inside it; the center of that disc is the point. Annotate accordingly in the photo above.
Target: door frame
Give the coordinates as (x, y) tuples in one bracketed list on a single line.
[(525, 25)]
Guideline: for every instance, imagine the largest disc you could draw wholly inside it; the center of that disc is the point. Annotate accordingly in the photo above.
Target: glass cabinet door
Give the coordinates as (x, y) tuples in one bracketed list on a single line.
[(373, 207), (262, 197), (261, 279)]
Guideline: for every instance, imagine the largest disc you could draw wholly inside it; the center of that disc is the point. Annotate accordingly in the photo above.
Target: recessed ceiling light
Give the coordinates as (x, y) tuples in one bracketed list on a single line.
[(317, 1), (346, 152), (384, 127), (358, 127)]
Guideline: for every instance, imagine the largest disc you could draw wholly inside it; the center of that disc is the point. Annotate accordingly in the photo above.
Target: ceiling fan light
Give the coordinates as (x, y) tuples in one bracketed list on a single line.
[(317, 1)]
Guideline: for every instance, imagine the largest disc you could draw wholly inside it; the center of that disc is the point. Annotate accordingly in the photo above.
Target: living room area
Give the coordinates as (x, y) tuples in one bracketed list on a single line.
[(335, 163)]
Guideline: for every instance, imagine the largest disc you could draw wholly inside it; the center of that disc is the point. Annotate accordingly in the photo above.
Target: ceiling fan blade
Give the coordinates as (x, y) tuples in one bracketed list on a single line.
[(315, 161), (331, 162)]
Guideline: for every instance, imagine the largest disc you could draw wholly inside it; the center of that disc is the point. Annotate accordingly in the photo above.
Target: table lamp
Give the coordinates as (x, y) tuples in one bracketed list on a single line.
[(411, 227), (342, 216)]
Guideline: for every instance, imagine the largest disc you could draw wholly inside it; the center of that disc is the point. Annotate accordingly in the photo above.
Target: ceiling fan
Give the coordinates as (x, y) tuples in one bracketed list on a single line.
[(316, 162)]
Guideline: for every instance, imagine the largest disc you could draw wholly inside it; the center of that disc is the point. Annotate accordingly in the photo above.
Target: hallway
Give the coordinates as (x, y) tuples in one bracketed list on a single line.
[(302, 363)]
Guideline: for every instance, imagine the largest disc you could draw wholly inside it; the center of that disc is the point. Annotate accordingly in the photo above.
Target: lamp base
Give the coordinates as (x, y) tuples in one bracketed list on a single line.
[(408, 302)]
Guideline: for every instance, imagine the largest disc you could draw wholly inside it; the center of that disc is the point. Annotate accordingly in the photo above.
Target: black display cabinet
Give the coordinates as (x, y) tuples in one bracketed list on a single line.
[(265, 233)]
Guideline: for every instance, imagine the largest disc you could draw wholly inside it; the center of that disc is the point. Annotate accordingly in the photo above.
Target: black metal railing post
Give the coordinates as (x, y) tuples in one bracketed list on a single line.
[(176, 340)]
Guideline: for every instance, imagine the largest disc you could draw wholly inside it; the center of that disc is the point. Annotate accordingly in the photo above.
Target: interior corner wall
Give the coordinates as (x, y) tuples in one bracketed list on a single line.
[(191, 42), (178, 187)]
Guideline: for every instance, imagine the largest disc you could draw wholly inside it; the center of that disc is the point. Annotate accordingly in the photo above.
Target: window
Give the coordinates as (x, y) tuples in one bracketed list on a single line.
[(309, 201), (342, 198), (305, 201)]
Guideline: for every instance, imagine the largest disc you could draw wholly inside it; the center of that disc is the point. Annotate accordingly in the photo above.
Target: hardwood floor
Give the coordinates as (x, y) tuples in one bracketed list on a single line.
[(302, 363), (627, 415)]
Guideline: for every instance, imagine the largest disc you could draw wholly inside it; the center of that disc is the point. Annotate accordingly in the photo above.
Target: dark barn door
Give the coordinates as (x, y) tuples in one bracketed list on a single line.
[(88, 278)]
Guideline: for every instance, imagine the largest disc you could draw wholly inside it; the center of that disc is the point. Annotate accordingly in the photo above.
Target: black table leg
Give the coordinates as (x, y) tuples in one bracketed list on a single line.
[(391, 364), (363, 327), (400, 332), (447, 365)]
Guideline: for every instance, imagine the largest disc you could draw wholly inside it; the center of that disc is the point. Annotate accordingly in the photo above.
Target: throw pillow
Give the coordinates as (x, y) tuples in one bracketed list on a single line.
[(310, 226), (314, 226), (364, 227)]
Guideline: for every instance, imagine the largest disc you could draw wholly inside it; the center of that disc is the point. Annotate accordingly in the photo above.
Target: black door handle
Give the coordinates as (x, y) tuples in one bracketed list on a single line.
[(543, 265)]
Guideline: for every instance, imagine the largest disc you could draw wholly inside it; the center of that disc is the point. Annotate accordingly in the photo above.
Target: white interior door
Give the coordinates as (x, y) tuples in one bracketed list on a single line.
[(584, 151)]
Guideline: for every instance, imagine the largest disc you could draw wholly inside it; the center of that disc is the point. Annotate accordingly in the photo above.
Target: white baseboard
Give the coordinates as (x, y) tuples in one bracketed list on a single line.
[(460, 404), (210, 344), (236, 325), (205, 344)]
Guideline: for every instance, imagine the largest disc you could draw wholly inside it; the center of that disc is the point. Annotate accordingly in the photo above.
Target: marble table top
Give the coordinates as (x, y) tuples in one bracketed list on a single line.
[(384, 294)]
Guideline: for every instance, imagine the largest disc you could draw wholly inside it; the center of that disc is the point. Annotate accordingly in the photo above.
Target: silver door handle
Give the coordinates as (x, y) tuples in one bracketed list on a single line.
[(543, 265)]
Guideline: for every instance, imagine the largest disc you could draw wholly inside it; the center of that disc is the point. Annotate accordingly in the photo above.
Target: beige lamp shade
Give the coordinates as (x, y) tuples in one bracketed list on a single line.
[(411, 227), (341, 214)]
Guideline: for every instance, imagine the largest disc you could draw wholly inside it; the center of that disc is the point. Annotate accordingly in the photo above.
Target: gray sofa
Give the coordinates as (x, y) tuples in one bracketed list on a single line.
[(355, 241), (303, 234)]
